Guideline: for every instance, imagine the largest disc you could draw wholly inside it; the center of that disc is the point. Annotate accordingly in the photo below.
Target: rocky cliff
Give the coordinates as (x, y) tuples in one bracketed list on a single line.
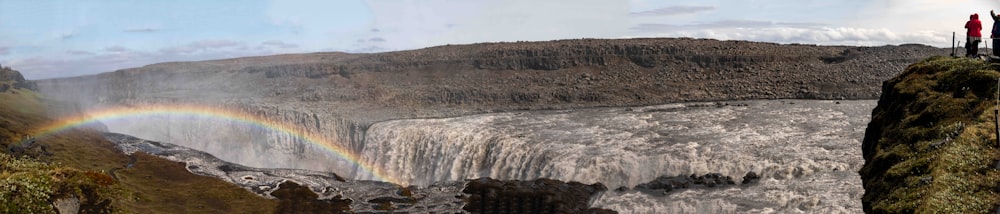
[(11, 79), (931, 144), (340, 95), (557, 74)]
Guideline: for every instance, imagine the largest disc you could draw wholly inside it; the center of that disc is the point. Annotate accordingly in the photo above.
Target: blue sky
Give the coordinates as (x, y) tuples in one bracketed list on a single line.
[(46, 39)]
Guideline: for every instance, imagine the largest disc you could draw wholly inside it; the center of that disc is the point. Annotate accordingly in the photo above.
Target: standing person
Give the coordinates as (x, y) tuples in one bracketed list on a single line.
[(974, 35), (995, 33)]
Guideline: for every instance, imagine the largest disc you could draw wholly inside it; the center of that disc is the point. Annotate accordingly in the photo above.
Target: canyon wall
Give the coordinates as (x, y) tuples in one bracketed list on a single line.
[(339, 95)]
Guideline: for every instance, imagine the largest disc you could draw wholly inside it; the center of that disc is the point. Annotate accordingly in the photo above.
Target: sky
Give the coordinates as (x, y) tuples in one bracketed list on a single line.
[(61, 38)]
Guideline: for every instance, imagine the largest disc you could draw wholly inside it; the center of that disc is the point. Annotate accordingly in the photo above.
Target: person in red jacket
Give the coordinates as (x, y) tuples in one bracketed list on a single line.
[(974, 35)]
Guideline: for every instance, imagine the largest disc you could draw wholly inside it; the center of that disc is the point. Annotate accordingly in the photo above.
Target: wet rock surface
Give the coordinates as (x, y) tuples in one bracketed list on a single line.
[(487, 195), (306, 191), (328, 193), (295, 198), (666, 184)]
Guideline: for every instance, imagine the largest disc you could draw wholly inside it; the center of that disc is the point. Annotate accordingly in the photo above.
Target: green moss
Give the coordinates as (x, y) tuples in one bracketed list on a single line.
[(935, 143), (29, 186), (81, 165)]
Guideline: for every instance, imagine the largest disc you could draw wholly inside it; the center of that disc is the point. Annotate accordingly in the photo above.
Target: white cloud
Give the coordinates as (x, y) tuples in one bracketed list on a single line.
[(80, 53), (674, 10), (142, 30), (722, 24), (823, 35), (42, 67), (378, 25), (277, 44), (116, 49), (417, 24), (67, 35), (203, 45), (4, 51)]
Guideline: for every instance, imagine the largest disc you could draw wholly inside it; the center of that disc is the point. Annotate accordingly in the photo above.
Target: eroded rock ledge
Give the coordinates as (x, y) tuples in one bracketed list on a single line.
[(931, 145), (312, 191)]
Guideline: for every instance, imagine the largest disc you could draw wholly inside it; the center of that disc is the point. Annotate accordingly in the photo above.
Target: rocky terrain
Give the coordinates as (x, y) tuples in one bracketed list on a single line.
[(12, 80), (312, 192), (340, 96), (77, 170), (932, 145), (461, 79)]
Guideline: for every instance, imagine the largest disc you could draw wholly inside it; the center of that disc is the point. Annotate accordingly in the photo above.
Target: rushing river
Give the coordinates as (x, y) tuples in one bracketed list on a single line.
[(807, 152)]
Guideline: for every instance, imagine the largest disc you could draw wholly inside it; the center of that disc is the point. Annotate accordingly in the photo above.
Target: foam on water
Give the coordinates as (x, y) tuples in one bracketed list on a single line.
[(808, 152)]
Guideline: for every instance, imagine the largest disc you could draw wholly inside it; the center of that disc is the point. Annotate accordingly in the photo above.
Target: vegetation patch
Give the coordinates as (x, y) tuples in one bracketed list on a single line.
[(931, 144), (80, 164)]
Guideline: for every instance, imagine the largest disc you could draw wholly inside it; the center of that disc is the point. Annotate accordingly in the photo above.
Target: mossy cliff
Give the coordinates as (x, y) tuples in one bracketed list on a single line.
[(931, 144), (79, 171)]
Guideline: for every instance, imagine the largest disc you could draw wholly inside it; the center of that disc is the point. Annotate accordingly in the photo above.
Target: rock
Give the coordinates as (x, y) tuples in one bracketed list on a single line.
[(920, 110), (338, 96), (486, 195), (294, 198), (67, 205), (926, 180), (667, 184), (10, 78), (750, 177), (8, 74)]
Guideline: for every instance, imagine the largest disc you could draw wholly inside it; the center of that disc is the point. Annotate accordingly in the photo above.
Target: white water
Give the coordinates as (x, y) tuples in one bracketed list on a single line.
[(808, 152)]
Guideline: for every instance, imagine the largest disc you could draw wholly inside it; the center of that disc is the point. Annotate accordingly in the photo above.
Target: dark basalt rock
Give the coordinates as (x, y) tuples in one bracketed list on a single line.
[(486, 195), (750, 177), (665, 184), (294, 198)]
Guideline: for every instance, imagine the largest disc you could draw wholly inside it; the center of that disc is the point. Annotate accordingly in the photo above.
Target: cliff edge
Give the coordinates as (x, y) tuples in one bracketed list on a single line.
[(79, 171), (931, 144), (11, 79)]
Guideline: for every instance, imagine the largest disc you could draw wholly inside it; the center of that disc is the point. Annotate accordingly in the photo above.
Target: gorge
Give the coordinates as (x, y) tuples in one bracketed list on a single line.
[(619, 112)]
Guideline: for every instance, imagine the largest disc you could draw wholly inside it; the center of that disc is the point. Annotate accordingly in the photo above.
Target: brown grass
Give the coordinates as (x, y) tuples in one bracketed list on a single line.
[(155, 185)]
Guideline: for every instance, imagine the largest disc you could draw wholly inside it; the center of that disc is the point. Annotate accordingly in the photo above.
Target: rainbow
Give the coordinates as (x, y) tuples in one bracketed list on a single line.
[(122, 112)]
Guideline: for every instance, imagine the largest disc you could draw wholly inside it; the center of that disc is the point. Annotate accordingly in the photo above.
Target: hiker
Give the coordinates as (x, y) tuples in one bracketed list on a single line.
[(973, 35), (995, 33)]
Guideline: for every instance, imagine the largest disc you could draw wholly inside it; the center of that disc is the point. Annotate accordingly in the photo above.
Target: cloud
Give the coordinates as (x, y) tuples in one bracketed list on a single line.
[(85, 63), (376, 39), (375, 30), (674, 10), (67, 35), (417, 24), (115, 49), (141, 30), (821, 35), (80, 53), (4, 51), (278, 44), (215, 43), (203, 45), (722, 24), (369, 49)]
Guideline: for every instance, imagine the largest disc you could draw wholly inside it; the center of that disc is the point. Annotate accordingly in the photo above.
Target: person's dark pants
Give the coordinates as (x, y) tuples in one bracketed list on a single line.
[(996, 51), (972, 47)]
